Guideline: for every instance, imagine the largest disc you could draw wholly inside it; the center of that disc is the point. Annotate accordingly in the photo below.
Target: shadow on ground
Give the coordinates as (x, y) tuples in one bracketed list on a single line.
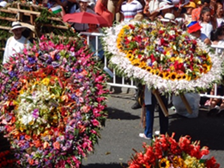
[(208, 129), (110, 165), (114, 113)]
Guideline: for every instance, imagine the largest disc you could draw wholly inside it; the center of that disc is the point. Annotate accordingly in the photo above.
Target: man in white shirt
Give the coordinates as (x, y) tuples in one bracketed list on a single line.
[(16, 43), (83, 7), (130, 8)]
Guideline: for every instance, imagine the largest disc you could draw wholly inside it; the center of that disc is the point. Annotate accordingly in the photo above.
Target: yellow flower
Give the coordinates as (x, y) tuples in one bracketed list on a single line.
[(164, 163), (46, 81), (149, 69), (206, 68), (173, 76), (165, 75), (156, 72), (142, 65), (178, 162), (135, 62), (188, 77), (172, 59)]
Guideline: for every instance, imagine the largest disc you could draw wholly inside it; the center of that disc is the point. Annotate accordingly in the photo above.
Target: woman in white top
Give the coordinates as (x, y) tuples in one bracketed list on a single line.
[(205, 22), (219, 14)]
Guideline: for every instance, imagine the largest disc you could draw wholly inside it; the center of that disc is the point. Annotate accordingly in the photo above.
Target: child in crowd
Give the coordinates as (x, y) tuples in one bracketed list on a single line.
[(194, 29), (219, 14), (205, 22)]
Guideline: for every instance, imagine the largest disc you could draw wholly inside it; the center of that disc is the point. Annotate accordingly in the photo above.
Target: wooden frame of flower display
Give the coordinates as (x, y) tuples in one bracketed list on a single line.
[(164, 58)]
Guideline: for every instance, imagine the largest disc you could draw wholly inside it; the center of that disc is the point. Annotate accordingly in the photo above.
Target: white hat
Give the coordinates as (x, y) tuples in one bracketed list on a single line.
[(17, 25), (3, 4), (165, 5), (84, 1), (176, 2), (169, 17)]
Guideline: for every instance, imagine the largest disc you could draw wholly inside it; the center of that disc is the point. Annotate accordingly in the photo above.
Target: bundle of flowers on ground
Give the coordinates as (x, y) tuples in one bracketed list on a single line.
[(163, 56), (53, 99), (166, 152)]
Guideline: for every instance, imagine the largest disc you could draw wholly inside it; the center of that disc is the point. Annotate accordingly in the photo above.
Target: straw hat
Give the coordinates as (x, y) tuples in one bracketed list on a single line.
[(190, 5), (194, 27), (198, 2), (17, 25), (169, 17)]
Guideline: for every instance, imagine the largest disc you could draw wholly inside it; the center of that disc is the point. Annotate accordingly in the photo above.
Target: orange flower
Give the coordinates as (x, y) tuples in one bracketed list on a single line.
[(56, 145), (37, 143), (31, 161), (27, 137)]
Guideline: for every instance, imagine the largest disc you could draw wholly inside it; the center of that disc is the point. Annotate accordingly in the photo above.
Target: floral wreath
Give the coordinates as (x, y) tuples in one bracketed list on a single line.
[(52, 103), (162, 56)]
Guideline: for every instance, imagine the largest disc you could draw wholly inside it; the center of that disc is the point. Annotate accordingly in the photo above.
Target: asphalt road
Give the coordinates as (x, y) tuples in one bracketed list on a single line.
[(120, 134)]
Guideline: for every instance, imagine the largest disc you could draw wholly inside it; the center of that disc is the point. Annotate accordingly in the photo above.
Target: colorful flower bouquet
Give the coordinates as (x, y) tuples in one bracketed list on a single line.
[(166, 152), (163, 56), (53, 99)]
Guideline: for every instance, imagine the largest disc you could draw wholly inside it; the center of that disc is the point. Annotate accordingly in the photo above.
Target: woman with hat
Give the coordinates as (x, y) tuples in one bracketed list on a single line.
[(16, 43)]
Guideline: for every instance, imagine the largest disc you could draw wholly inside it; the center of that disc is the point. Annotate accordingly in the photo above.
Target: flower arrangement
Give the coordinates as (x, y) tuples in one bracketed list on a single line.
[(53, 100), (163, 56), (6, 159), (166, 152)]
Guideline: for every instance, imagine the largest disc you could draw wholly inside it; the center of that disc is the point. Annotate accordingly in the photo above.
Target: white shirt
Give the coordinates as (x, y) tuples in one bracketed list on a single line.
[(219, 21), (153, 5), (206, 29), (81, 26), (14, 46), (129, 10), (148, 96)]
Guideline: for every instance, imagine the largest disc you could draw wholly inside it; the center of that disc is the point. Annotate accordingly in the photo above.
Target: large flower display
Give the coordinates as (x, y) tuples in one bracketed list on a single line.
[(52, 103), (166, 152), (163, 56)]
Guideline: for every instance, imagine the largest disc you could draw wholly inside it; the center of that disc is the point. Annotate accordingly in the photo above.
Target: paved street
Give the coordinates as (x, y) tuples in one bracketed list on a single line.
[(120, 133)]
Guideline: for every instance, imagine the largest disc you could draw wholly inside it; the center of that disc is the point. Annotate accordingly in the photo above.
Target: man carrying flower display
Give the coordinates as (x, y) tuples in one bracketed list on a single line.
[(16, 43)]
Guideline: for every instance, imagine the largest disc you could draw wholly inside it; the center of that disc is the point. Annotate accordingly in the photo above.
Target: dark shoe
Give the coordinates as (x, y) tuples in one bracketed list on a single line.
[(136, 106), (213, 111), (220, 113)]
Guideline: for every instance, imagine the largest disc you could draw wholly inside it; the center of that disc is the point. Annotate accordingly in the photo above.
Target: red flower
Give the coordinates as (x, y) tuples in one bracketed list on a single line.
[(211, 163), (131, 26)]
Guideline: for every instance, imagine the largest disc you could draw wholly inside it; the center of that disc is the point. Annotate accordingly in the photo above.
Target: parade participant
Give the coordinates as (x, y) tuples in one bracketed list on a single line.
[(15, 43), (148, 109)]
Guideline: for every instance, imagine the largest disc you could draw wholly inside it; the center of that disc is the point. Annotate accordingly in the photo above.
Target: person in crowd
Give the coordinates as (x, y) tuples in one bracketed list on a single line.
[(129, 9), (113, 6), (71, 7), (16, 43), (217, 38), (194, 28), (205, 21), (197, 11), (165, 7), (151, 9), (148, 115), (169, 18), (189, 8), (83, 7), (101, 9), (219, 14)]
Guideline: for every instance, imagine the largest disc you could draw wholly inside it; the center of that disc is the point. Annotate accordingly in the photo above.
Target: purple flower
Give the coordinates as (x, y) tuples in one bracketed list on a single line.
[(35, 113)]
